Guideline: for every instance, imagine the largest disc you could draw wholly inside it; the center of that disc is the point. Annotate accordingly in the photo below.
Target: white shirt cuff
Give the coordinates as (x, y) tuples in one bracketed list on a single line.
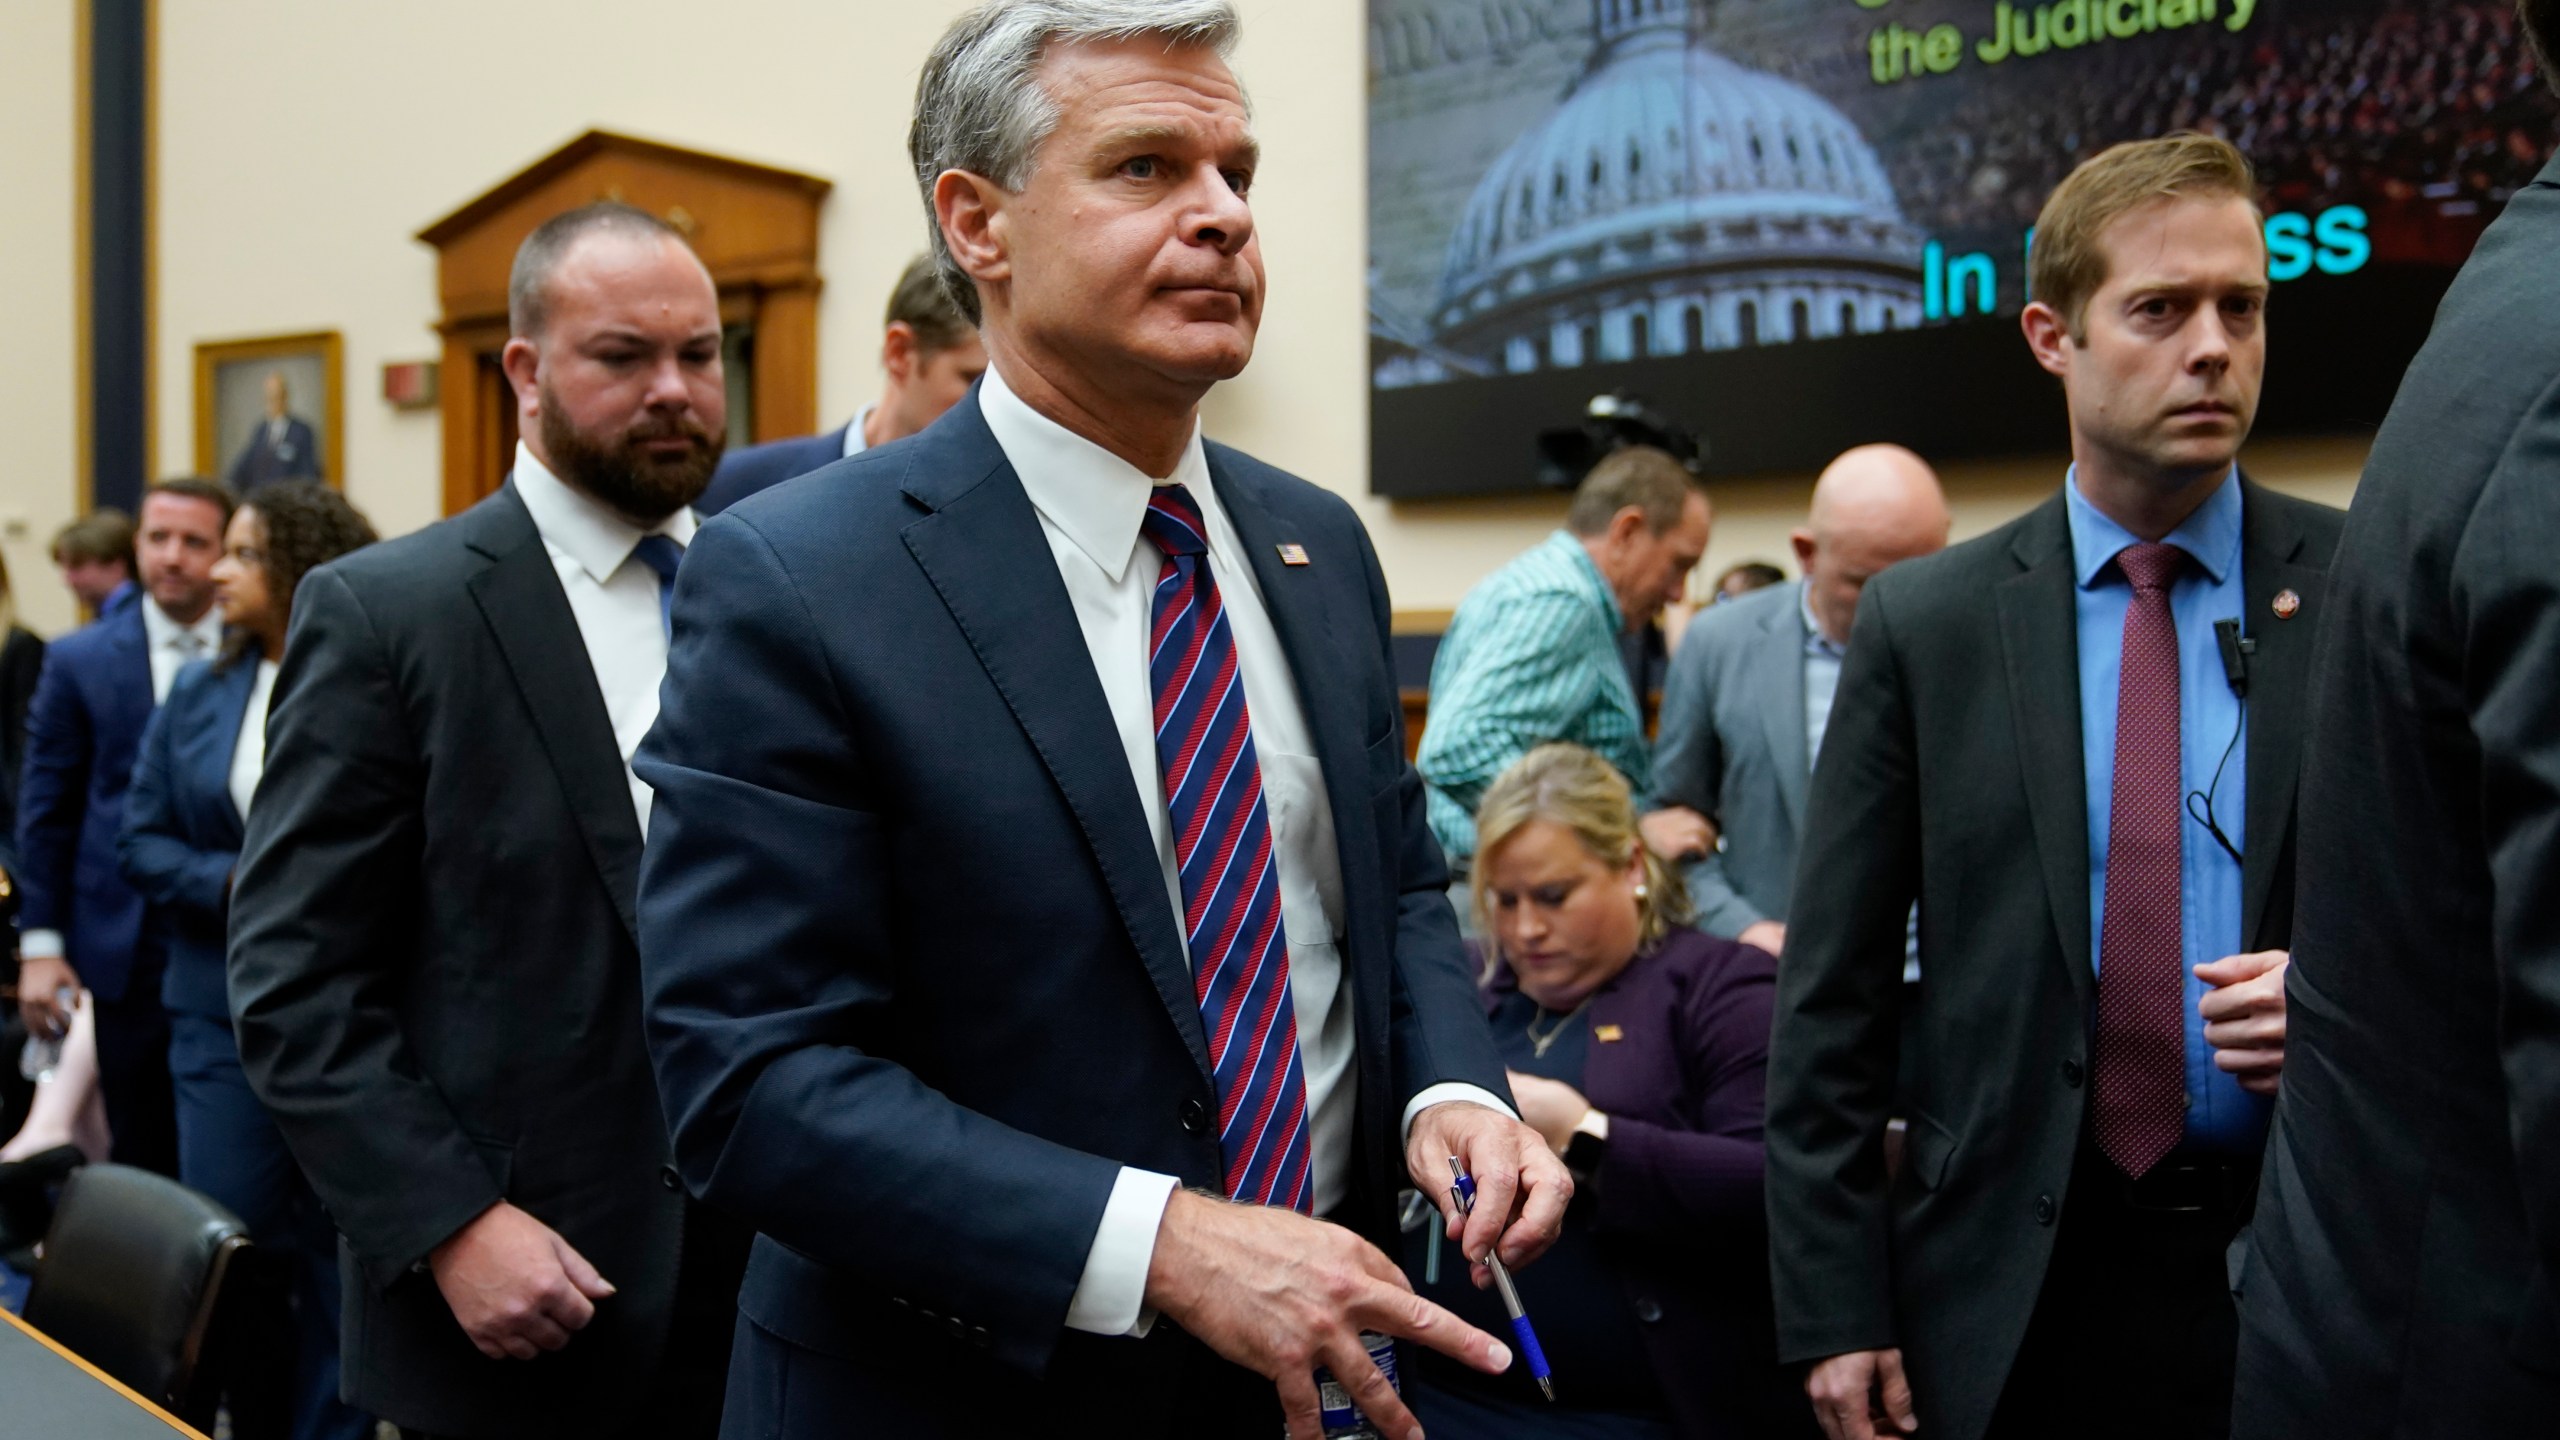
[(1111, 1296), (1451, 1090), (1110, 1299), (40, 945)]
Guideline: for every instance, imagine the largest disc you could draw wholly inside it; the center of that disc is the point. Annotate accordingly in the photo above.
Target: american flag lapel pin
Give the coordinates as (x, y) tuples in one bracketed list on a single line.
[(1293, 554)]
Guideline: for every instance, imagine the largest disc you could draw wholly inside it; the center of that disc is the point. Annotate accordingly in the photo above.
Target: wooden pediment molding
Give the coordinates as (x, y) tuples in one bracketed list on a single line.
[(755, 227)]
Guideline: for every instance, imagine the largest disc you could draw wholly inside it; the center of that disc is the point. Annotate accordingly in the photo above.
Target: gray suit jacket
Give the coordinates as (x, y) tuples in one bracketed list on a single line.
[(1732, 748), (2403, 1277)]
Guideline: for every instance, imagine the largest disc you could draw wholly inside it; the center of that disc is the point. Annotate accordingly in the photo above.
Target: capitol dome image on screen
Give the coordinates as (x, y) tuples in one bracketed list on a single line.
[(1673, 202)]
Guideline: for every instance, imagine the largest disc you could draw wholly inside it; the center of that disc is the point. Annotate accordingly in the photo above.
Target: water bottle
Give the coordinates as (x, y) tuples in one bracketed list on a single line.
[(38, 1057), (1341, 1418)]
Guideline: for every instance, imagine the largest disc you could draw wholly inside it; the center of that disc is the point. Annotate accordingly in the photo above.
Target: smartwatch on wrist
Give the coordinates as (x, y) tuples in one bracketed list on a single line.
[(1590, 1141)]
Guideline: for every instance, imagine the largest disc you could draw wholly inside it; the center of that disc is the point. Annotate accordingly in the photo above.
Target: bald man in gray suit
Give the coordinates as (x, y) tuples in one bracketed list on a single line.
[(1749, 693)]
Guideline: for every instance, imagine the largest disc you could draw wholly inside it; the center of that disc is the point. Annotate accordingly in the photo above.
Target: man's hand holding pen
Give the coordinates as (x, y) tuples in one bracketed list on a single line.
[(1281, 1294), (1522, 1189)]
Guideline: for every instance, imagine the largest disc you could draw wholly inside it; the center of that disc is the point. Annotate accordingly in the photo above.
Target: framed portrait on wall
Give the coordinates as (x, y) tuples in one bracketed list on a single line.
[(271, 408)]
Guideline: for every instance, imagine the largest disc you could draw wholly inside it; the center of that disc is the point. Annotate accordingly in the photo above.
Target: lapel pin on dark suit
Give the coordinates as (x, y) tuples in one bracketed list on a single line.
[(1293, 554), (2287, 604), (1607, 1034)]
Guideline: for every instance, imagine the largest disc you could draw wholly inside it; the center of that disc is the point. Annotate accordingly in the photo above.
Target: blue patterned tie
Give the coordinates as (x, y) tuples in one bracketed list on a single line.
[(1230, 881), (662, 554)]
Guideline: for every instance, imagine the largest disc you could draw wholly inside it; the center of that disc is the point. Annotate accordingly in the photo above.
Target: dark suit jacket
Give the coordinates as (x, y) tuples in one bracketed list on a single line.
[(182, 833), (2401, 1276), (759, 468), (1677, 1205), (296, 457), (1951, 772), (915, 990), (433, 970), (83, 729), (1732, 748), (21, 664)]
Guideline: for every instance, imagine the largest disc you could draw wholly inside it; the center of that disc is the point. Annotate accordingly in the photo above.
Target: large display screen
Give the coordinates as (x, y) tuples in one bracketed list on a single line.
[(1798, 225)]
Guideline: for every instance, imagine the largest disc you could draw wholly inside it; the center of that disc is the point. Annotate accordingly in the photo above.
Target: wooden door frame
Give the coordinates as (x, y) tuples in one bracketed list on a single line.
[(755, 227)]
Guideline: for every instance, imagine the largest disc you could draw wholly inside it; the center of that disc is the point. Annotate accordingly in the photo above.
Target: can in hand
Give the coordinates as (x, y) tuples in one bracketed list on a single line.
[(1341, 1418)]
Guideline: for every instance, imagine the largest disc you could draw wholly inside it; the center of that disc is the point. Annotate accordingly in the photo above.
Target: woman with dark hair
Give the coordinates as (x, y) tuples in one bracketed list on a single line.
[(192, 786), (21, 658)]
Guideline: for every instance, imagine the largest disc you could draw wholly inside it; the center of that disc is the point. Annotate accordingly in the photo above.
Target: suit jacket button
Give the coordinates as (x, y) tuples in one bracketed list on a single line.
[(2044, 1210), (1648, 1310), (2072, 1074), (978, 1336), (668, 1177), (1195, 1117)]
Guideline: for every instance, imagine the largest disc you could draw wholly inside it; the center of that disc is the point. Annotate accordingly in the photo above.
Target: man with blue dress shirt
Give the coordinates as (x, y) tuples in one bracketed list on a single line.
[(2074, 741)]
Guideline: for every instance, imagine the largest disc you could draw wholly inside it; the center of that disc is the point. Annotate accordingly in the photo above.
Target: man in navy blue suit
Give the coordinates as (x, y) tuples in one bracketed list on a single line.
[(283, 447), (82, 921), (95, 555), (1042, 942), (930, 357)]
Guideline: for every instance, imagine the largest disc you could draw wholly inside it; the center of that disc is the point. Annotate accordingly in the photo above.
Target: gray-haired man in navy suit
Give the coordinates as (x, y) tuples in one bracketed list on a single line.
[(1107, 1148)]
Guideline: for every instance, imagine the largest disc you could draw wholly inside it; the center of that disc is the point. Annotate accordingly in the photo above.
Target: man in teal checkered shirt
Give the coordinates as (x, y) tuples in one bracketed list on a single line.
[(1532, 654)]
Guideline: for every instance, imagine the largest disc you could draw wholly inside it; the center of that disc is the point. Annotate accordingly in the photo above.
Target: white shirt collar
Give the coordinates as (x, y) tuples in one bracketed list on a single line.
[(583, 527), (1094, 497), (854, 444), (162, 629)]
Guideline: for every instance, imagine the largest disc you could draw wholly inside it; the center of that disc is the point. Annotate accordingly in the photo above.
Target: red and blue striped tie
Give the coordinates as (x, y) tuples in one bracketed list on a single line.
[(1230, 880)]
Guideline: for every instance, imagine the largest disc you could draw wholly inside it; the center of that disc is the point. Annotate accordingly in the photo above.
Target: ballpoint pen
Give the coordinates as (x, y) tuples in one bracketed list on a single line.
[(1464, 1192)]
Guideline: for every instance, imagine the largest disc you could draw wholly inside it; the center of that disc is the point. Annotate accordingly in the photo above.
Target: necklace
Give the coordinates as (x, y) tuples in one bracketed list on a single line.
[(1539, 1044)]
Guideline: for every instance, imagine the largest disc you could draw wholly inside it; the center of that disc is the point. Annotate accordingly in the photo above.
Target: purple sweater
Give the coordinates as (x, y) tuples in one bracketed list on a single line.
[(1681, 1212)]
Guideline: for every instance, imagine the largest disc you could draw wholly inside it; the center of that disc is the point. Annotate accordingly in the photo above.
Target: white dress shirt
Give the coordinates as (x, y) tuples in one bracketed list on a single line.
[(170, 647), (613, 596), (249, 753), (854, 444), (174, 645), (1091, 504)]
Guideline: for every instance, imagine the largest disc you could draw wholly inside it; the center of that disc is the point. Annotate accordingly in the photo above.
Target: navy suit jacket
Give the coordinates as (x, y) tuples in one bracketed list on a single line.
[(83, 730), (259, 463), (21, 664), (914, 989), (761, 467), (181, 831)]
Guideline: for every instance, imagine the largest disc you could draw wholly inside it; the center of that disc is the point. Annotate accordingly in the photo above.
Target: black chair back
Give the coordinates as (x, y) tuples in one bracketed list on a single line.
[(133, 1267)]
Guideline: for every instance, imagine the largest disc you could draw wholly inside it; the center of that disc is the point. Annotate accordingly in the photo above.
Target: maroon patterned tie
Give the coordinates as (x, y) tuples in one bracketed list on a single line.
[(2142, 1049)]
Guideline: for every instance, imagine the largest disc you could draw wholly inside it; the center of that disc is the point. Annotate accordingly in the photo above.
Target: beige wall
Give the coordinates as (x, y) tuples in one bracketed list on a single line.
[(39, 403), (303, 141)]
